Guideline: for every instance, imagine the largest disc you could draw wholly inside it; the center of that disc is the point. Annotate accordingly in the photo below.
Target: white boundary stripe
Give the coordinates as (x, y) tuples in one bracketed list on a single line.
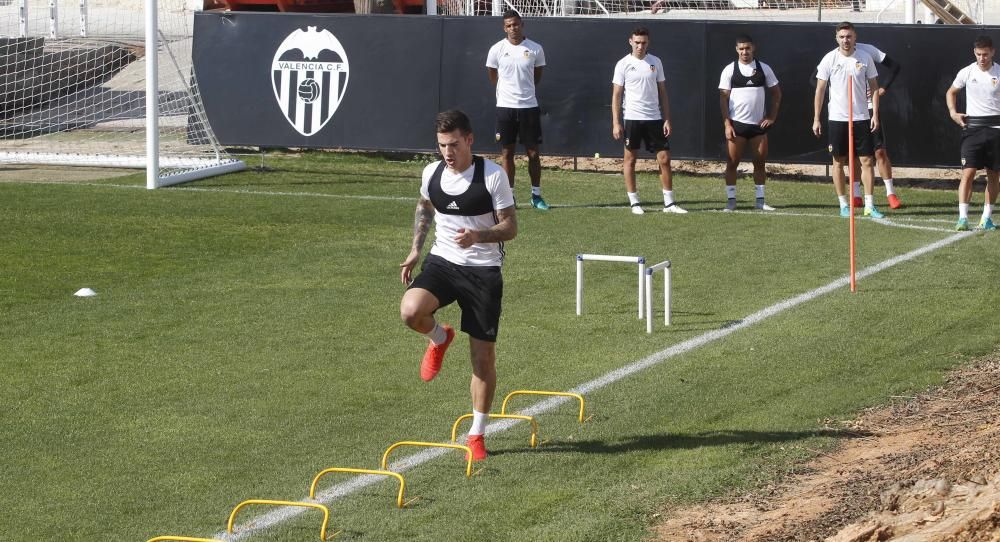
[(342, 490)]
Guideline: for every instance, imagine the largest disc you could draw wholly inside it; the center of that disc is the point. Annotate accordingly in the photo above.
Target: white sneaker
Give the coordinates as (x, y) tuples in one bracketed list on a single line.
[(765, 207), (674, 208), (637, 209)]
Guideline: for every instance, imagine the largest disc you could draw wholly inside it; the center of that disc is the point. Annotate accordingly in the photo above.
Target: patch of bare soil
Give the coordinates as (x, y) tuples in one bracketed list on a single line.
[(927, 470)]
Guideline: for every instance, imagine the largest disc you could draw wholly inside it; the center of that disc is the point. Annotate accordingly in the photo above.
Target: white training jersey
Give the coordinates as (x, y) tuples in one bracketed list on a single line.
[(639, 78), (746, 105), (877, 55), (446, 226), (838, 69), (982, 91), (515, 66)]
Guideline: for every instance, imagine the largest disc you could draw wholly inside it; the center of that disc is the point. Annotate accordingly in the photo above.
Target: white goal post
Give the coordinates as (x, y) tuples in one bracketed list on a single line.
[(105, 83)]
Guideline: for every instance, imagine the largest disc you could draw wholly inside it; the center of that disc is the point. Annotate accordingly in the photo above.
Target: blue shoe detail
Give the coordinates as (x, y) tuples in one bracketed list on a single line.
[(845, 212), (987, 224), (538, 203), (873, 212), (962, 225)]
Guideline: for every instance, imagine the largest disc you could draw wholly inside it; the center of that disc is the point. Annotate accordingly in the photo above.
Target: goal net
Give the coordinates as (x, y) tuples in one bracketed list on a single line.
[(856, 11), (84, 84)]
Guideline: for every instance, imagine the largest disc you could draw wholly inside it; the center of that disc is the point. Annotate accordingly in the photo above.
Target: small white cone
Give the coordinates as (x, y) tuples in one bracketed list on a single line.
[(85, 292)]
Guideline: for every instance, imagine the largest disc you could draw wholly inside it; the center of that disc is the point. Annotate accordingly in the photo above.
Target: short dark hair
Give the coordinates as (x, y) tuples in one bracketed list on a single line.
[(640, 31), (511, 14), (743, 38), (846, 25), (453, 119), (983, 42)]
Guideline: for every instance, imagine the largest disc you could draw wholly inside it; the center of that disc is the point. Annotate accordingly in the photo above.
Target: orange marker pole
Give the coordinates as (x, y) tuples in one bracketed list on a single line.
[(850, 168)]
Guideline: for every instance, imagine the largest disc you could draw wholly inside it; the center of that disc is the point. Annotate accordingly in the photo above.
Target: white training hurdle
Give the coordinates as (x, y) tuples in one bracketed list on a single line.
[(580, 258), (650, 271)]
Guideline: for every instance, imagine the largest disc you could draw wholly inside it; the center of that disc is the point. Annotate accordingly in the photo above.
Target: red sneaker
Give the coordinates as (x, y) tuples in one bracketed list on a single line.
[(434, 356), (894, 202), (859, 202), (478, 447)]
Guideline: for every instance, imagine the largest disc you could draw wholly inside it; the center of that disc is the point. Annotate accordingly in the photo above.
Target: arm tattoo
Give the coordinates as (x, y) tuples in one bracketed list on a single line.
[(423, 217), (505, 230)]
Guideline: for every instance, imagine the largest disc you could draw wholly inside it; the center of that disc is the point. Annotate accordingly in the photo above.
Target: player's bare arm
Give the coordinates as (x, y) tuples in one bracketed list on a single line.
[(873, 84), (665, 104), (616, 110), (538, 74), (422, 220), (951, 98), (504, 230), (818, 106), (493, 75), (775, 105), (727, 123)]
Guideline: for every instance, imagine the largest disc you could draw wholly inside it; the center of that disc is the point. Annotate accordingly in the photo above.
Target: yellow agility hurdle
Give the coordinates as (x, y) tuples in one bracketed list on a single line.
[(534, 425), (468, 452), (181, 539), (402, 483), (320, 507), (503, 407)]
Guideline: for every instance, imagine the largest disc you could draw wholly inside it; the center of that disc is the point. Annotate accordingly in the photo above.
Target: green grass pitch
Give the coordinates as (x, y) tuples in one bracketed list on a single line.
[(246, 336)]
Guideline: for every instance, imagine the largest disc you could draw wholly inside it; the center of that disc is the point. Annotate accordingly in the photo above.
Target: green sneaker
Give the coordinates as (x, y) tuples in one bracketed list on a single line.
[(963, 224), (873, 212), (538, 203), (987, 224)]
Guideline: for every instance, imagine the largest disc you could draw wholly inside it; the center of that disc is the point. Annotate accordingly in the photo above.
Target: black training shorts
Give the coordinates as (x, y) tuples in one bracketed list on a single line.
[(748, 131), (650, 131), (981, 147), (478, 290), (524, 125), (838, 132)]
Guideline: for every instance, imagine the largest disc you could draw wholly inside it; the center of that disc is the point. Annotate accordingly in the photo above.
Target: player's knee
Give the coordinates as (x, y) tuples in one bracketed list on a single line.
[(410, 313)]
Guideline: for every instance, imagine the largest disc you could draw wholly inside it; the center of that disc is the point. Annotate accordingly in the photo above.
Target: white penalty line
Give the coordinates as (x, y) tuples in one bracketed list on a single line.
[(344, 489)]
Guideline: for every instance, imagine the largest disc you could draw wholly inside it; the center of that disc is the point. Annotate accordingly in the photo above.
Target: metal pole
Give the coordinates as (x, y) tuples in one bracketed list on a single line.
[(579, 285), (152, 104)]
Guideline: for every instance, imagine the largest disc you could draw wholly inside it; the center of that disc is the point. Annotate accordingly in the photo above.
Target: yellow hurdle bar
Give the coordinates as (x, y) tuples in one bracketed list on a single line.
[(534, 425), (320, 507), (468, 452), (181, 539), (503, 407), (396, 475)]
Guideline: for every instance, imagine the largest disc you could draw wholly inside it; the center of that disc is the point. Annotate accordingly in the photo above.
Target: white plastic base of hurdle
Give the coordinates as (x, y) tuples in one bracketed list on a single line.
[(580, 258), (665, 266)]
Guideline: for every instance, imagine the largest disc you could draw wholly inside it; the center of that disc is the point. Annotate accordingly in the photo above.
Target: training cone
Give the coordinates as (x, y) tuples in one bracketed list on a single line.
[(85, 292)]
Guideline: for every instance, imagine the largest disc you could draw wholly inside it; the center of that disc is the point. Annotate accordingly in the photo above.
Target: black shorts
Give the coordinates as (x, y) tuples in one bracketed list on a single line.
[(650, 131), (748, 131), (862, 138), (478, 290), (524, 125), (878, 137), (981, 148)]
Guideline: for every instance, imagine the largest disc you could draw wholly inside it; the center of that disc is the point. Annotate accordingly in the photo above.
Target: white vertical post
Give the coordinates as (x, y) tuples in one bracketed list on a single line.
[(22, 13), (642, 273), (83, 18), (431, 7), (579, 285), (666, 296), (649, 300), (909, 11), (152, 105), (498, 8), (53, 19)]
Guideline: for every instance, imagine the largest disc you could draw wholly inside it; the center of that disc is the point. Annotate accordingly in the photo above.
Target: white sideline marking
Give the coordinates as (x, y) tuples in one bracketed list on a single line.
[(343, 489)]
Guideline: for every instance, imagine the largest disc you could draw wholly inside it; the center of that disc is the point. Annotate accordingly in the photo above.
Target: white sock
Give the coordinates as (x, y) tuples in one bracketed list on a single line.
[(869, 202), (478, 422), (987, 211), (731, 192), (857, 189), (536, 190), (437, 335), (759, 190), (668, 198), (963, 210), (633, 198), (889, 190), (843, 201)]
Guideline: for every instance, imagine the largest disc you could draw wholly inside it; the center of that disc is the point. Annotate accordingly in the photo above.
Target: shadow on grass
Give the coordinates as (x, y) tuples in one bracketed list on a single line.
[(688, 441)]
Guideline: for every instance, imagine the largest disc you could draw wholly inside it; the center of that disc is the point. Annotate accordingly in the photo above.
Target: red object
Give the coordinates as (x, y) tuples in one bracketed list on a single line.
[(478, 447), (894, 202), (430, 366)]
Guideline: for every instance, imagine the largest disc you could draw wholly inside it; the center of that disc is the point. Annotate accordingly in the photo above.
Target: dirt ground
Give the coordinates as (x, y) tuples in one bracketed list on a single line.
[(925, 469)]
